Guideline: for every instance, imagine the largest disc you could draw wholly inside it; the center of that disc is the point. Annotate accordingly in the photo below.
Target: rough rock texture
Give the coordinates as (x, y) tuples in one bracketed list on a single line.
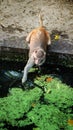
[(19, 17)]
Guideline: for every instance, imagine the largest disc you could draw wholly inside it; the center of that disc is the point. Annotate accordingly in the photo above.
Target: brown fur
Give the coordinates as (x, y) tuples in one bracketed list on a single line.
[(38, 40), (38, 37)]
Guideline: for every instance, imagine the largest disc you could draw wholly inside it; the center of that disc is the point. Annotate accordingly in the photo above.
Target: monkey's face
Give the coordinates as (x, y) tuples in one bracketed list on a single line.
[(39, 56)]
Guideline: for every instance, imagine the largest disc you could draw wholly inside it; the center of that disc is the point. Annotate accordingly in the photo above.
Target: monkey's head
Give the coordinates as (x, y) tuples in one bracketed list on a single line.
[(39, 56)]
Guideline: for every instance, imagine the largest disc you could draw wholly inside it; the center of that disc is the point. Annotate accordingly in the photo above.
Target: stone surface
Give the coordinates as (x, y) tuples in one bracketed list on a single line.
[(62, 46), (19, 17)]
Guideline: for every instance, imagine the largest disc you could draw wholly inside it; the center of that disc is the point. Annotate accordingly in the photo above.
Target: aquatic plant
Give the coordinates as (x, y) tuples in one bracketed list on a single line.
[(59, 97), (14, 107), (48, 105), (46, 117)]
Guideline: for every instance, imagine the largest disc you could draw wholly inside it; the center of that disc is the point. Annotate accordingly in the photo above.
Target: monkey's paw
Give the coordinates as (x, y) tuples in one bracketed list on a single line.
[(24, 80)]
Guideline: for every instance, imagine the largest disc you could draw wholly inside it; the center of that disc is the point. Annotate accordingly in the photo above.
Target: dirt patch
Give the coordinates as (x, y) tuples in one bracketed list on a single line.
[(19, 17)]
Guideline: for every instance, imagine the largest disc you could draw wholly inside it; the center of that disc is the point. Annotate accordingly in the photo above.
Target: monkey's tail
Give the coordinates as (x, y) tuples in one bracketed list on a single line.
[(40, 20)]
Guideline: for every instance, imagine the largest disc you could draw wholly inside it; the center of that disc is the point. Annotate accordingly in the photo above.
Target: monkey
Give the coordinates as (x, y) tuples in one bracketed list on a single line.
[(38, 39)]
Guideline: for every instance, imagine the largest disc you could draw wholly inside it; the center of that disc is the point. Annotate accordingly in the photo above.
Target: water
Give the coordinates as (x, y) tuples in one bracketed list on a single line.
[(12, 77)]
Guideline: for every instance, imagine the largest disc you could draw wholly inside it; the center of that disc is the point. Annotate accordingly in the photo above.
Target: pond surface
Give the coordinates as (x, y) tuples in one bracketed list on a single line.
[(11, 75)]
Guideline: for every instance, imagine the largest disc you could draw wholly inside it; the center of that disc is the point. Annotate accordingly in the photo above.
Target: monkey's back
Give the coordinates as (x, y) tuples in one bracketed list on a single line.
[(38, 39)]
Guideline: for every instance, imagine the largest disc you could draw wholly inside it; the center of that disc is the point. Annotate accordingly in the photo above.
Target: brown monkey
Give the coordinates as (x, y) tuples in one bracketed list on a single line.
[(38, 38)]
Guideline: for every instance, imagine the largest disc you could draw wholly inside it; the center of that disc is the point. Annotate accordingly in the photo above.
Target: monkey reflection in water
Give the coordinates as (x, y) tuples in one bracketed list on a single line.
[(38, 40)]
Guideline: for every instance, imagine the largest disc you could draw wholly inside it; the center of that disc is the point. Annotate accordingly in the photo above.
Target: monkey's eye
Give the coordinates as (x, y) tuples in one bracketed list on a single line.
[(36, 51)]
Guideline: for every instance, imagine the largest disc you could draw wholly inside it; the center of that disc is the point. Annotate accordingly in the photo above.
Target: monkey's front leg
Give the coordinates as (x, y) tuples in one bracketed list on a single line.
[(29, 65)]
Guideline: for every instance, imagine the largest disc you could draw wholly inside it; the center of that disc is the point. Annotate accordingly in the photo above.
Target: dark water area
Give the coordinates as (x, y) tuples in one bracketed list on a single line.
[(29, 127), (62, 72), (11, 74)]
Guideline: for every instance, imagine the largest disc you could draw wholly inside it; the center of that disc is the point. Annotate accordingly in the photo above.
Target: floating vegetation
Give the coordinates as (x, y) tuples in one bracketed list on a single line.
[(47, 105)]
